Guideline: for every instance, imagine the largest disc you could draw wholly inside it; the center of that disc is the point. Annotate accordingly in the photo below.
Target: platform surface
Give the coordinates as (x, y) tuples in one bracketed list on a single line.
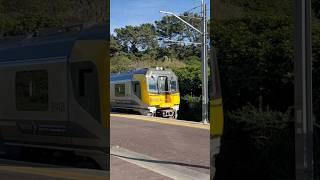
[(170, 148), (141, 148)]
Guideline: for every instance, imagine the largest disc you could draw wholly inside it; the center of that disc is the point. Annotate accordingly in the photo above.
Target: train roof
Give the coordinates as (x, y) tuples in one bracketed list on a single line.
[(129, 74), (57, 44)]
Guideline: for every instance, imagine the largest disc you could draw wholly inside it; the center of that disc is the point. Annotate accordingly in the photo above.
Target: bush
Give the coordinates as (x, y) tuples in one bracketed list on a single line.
[(189, 80), (257, 145), (120, 63), (190, 108)]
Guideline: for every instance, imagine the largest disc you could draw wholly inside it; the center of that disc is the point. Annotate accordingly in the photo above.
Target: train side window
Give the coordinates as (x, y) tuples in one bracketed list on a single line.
[(32, 90), (137, 89), (120, 90)]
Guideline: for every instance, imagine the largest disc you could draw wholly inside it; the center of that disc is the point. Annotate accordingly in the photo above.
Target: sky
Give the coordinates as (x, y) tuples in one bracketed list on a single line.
[(135, 12)]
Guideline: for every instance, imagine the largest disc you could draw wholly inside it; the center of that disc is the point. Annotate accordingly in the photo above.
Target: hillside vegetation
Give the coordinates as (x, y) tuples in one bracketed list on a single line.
[(21, 17)]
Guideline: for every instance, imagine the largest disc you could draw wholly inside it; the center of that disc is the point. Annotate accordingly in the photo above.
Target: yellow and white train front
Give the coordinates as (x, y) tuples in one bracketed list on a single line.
[(160, 92)]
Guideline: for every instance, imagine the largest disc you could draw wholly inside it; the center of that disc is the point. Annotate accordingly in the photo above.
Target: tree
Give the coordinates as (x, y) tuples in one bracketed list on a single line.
[(169, 27), (135, 39), (256, 59), (115, 47), (316, 8), (189, 80), (271, 7), (21, 17)]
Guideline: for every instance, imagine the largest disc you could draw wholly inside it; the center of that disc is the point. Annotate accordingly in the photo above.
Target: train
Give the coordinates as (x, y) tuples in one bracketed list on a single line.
[(216, 115), (54, 94), (147, 91)]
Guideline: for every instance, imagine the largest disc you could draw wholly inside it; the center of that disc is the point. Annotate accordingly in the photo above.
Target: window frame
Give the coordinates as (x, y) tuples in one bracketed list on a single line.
[(120, 93), (24, 102)]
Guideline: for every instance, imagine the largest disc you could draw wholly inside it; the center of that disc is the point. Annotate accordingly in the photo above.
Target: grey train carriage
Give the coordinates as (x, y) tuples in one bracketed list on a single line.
[(54, 93)]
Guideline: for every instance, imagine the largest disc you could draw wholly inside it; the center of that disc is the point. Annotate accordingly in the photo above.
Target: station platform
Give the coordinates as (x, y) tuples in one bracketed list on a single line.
[(161, 148), (141, 148)]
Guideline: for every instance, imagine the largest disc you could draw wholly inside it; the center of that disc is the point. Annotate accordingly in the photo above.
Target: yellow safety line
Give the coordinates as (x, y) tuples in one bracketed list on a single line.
[(52, 173), (164, 121)]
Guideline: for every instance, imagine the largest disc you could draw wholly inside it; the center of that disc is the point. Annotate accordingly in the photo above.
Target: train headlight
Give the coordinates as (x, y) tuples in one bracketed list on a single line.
[(159, 68)]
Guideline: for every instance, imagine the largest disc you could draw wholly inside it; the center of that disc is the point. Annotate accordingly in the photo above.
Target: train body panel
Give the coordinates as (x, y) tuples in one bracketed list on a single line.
[(216, 117), (54, 93), (149, 91), (18, 120)]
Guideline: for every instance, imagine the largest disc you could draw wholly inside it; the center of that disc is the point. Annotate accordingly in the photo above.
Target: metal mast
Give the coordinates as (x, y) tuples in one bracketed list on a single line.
[(204, 65), (303, 91)]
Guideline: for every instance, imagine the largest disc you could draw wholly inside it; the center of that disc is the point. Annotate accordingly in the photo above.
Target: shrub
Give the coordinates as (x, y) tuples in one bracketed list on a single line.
[(120, 63), (190, 108), (257, 145)]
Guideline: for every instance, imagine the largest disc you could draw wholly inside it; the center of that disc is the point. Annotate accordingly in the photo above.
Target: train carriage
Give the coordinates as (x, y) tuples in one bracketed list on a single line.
[(216, 115), (149, 91), (54, 93)]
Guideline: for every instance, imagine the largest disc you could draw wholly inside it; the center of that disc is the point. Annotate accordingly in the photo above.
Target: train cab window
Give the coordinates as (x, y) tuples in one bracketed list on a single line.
[(163, 84), (137, 89), (120, 90), (32, 90), (152, 85), (173, 86)]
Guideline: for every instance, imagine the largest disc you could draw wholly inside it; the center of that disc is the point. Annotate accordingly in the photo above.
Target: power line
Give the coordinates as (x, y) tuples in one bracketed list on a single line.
[(193, 8)]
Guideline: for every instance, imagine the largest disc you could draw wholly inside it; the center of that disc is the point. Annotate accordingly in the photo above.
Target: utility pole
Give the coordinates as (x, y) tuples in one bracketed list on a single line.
[(204, 58), (303, 91), (204, 65)]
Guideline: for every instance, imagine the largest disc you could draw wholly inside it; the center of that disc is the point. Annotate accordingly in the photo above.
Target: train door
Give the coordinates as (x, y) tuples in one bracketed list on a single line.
[(89, 97), (137, 89), (86, 87)]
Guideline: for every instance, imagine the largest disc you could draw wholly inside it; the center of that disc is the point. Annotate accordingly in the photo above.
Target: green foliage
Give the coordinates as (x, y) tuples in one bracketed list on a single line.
[(169, 27), (316, 72), (255, 57), (127, 62), (27, 16), (190, 108), (316, 8), (135, 39), (257, 145), (189, 80), (120, 63), (193, 60), (115, 47), (255, 53), (274, 7)]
